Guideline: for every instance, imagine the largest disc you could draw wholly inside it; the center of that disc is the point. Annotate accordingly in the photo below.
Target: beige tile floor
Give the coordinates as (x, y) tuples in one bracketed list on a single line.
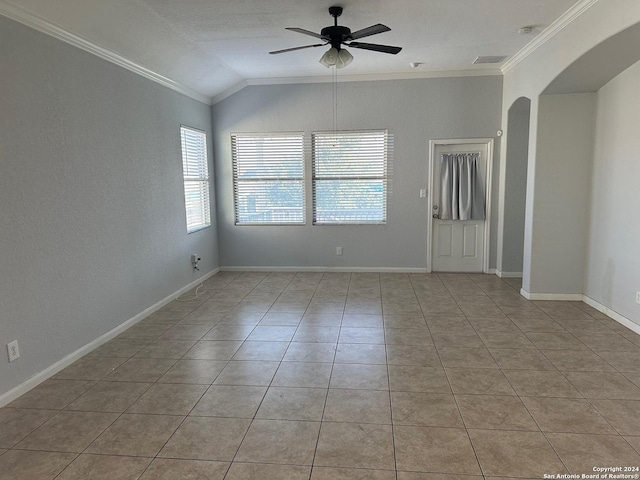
[(339, 377)]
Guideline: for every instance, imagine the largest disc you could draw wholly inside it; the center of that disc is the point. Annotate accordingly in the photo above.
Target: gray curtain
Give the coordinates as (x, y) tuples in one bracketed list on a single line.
[(461, 189)]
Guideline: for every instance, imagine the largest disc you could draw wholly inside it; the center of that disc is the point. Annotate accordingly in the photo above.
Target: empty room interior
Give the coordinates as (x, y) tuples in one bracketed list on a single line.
[(319, 241)]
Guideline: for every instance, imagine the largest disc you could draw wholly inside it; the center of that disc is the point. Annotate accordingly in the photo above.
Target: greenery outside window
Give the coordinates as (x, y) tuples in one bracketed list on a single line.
[(350, 177), (268, 178)]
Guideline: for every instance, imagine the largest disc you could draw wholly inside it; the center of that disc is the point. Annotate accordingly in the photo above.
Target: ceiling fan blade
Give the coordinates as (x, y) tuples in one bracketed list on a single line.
[(303, 31), (375, 47), (297, 48), (372, 30)]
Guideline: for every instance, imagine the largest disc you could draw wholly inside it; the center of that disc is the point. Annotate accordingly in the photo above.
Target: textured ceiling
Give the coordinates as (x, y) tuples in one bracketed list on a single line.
[(210, 46)]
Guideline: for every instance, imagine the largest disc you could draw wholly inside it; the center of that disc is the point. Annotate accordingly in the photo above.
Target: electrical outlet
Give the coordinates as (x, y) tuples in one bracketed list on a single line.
[(638, 297), (195, 258), (338, 251), (13, 350)]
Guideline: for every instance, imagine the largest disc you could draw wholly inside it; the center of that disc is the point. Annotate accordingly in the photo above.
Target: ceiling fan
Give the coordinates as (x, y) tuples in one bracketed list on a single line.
[(338, 36)]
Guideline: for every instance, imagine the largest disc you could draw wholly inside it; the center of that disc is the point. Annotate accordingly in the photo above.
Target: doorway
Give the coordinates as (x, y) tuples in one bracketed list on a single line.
[(456, 245), (514, 191)]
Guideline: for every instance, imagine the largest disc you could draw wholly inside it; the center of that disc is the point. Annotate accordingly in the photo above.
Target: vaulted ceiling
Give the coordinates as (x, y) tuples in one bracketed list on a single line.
[(210, 46)]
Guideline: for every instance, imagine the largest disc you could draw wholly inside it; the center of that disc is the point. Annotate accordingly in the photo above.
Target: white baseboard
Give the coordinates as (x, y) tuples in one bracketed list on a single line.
[(61, 364), (325, 269), (508, 274), (565, 297), (491, 271), (612, 314), (578, 297)]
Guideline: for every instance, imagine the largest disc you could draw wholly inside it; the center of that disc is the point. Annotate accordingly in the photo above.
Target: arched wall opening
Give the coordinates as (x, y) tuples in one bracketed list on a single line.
[(598, 66), (515, 187), (561, 192), (582, 236)]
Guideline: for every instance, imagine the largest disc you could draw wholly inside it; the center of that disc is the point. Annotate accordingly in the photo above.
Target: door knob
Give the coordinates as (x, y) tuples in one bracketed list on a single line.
[(435, 215)]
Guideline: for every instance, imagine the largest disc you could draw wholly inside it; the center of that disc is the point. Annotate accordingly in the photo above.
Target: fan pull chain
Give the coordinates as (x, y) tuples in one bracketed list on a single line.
[(335, 103)]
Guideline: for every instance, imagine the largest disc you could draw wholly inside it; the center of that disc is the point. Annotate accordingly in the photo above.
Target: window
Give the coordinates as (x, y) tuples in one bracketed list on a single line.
[(195, 169), (268, 178), (350, 177)]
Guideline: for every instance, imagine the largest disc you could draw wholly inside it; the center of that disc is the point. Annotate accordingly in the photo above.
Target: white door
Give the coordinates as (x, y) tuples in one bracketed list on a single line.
[(457, 245)]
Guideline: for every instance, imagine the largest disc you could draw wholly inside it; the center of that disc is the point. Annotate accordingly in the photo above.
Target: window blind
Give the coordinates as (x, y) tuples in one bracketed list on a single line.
[(268, 178), (195, 169), (349, 177)]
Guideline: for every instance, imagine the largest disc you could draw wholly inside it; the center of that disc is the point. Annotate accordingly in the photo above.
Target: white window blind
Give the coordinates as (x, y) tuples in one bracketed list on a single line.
[(350, 177), (268, 178), (195, 169)]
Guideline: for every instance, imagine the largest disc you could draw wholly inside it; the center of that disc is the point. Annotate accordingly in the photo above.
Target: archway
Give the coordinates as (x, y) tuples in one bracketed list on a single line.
[(515, 187), (567, 135)]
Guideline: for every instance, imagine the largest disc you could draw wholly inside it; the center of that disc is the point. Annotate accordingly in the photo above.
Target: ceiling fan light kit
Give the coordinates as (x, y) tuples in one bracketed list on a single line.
[(338, 36), (340, 58)]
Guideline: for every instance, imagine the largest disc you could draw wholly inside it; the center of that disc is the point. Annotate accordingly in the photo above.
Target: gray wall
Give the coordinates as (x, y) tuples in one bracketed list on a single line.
[(92, 221), (563, 168), (534, 73), (515, 191), (413, 111), (613, 259)]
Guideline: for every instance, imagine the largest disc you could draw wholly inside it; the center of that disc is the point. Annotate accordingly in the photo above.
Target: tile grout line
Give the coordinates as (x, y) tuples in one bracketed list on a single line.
[(464, 423), (326, 398), (201, 396), (524, 405), (544, 433), (64, 409), (187, 415), (266, 390), (393, 430), (486, 294), (270, 383)]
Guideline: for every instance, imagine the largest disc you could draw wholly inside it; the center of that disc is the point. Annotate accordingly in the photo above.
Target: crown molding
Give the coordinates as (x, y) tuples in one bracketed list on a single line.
[(229, 91), (548, 33), (30, 20), (476, 72), (24, 17), (33, 21), (377, 76)]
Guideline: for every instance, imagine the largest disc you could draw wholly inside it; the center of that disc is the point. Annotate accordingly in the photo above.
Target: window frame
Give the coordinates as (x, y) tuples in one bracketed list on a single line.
[(301, 179), (384, 177), (203, 178)]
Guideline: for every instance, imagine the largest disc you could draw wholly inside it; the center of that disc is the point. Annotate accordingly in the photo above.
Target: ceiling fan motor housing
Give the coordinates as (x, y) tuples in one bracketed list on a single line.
[(335, 35)]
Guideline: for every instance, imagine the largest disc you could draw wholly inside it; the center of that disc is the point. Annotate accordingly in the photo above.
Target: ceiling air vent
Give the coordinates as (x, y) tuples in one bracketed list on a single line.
[(490, 59)]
